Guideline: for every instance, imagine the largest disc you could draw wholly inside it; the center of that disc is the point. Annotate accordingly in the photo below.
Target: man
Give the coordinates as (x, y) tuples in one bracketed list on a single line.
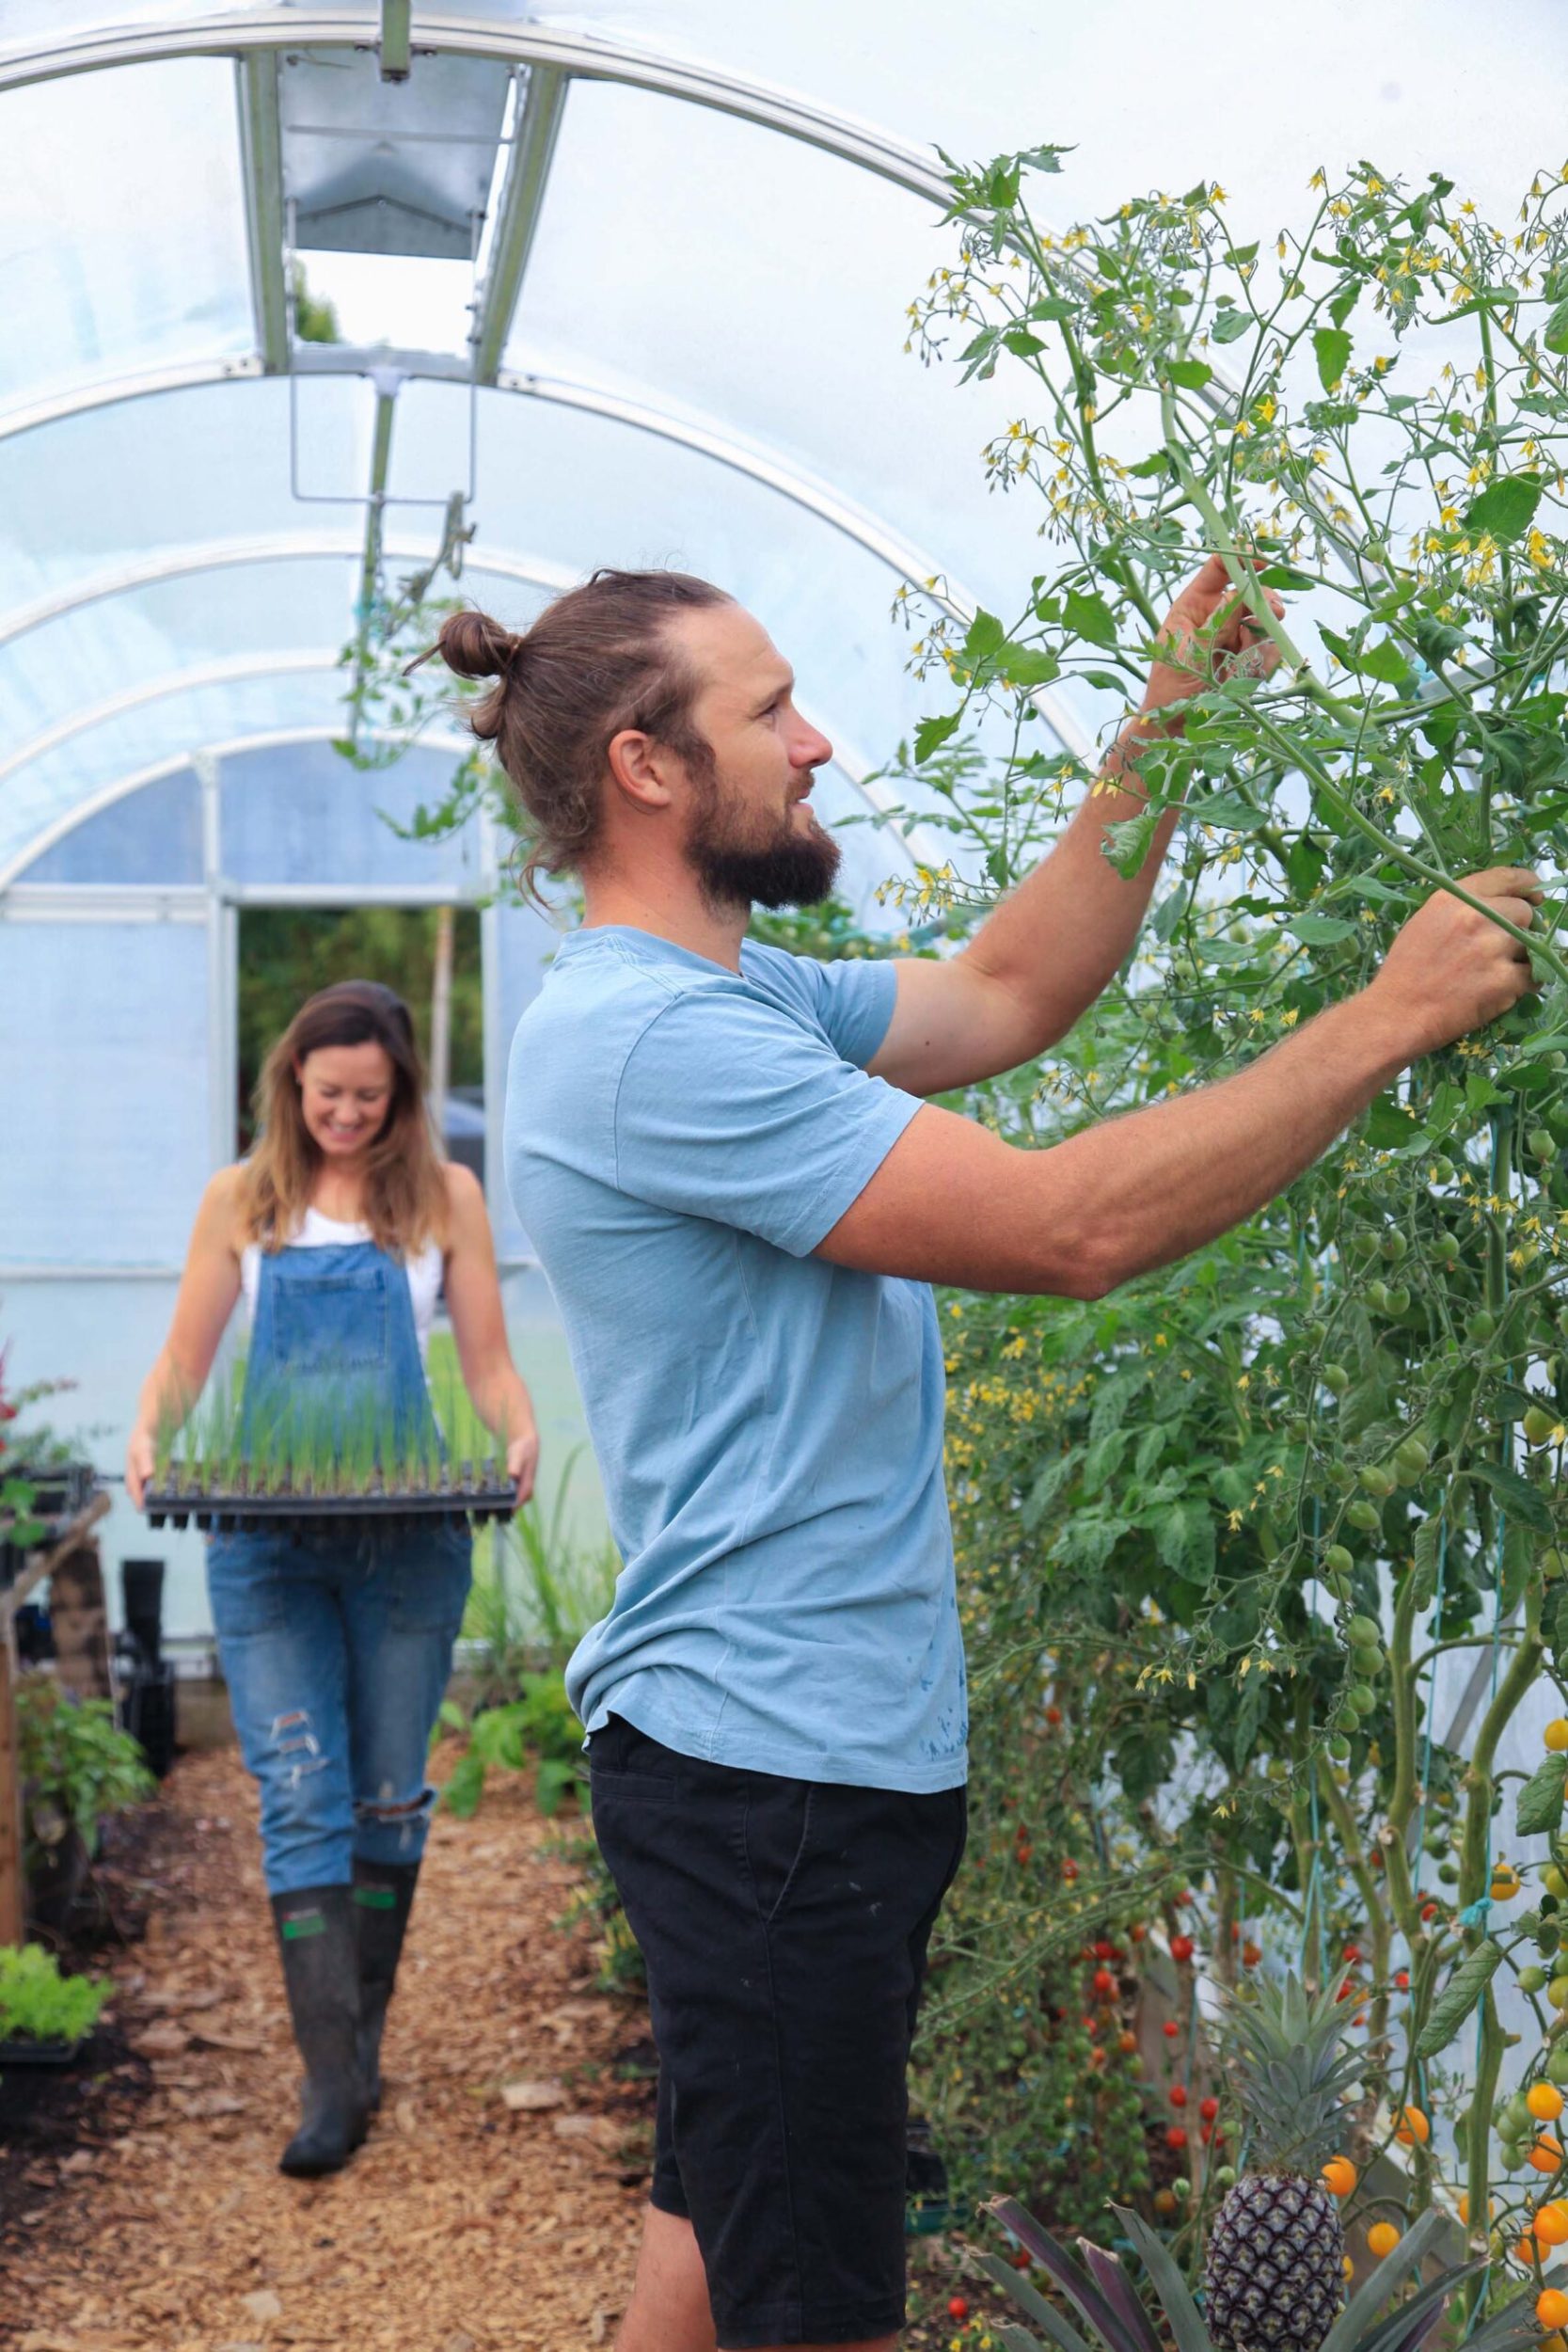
[(739, 1197)]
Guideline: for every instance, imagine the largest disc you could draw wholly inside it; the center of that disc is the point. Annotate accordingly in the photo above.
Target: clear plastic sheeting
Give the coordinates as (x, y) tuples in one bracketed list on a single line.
[(96, 282)]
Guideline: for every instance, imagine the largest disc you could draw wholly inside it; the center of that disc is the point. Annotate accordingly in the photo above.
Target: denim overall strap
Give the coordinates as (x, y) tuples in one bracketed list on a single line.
[(333, 1348)]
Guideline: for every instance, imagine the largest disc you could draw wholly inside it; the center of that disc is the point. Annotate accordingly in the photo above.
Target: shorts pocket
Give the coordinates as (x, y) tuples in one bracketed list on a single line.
[(776, 1821), (628, 1788)]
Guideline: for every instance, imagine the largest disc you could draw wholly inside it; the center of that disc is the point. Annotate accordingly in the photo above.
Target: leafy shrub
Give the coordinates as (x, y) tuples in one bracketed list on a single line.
[(538, 1725), (38, 2004), (76, 1765)]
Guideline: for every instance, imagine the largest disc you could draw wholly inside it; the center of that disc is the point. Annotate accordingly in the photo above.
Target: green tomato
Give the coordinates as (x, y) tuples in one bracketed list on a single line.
[(1336, 1380), (1362, 1697), (1532, 1979), (1441, 1170), (1339, 1586), (1180, 2189), (1339, 1562), (1363, 1246), (1538, 1425), (1517, 2119), (1541, 1143), (1365, 1661), (1554, 1881), (1225, 2176), (1411, 1457), (1378, 1478), (1553, 1564), (1393, 1245), (1377, 1293), (1448, 1872), (1365, 1515), (1339, 1747), (1364, 1629), (1398, 1298), (1481, 1325), (1557, 2064)]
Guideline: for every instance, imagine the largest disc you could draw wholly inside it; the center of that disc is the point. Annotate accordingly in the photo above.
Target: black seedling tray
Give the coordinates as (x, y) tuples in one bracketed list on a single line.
[(222, 1510), (24, 2053)]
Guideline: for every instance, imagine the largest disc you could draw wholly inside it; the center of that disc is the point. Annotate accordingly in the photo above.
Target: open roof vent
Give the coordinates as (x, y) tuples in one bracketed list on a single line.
[(373, 166)]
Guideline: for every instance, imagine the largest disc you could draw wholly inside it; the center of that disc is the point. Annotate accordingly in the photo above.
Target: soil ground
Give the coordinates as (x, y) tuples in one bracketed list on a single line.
[(497, 2202)]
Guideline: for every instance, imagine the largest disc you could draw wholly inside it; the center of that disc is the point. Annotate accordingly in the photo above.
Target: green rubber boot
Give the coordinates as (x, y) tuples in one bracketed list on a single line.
[(383, 1899), (315, 1936)]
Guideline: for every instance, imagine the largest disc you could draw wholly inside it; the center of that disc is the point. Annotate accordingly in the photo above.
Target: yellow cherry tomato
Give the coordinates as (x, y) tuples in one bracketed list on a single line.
[(1413, 2127), (1557, 1734), (1505, 1883), (1340, 2176), (1551, 2308), (1544, 2102), (1382, 2238), (1546, 2154)]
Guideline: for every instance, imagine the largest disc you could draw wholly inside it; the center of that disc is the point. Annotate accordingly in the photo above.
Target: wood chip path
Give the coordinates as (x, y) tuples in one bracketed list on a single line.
[(497, 2202)]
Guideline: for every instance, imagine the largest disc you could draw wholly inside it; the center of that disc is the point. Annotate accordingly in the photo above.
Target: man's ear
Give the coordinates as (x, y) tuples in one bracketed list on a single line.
[(639, 768)]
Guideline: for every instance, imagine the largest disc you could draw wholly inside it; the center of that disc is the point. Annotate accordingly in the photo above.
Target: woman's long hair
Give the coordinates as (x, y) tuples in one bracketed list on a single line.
[(405, 1192)]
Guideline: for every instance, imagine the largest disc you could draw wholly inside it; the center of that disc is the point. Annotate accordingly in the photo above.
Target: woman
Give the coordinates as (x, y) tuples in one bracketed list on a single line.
[(341, 1227)]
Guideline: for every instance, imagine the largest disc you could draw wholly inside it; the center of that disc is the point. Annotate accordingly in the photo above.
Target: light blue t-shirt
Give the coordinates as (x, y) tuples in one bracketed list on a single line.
[(769, 1427)]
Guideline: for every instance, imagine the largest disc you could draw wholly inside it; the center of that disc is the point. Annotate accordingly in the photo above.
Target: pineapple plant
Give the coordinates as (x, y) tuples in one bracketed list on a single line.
[(1273, 2275)]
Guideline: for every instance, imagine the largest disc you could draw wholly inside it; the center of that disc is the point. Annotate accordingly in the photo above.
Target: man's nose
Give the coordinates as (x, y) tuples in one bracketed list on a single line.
[(811, 749)]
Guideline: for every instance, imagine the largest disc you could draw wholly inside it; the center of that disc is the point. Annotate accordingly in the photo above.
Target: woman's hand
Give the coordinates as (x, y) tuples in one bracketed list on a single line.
[(141, 1461), (522, 1461)]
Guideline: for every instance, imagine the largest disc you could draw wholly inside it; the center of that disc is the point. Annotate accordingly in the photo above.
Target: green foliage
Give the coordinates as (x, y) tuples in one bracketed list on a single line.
[(76, 1765), (1170, 1506), (39, 2004), (538, 1726), (315, 317)]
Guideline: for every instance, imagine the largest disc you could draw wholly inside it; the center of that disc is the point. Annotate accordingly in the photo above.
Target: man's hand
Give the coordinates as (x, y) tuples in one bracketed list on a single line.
[(1210, 633), (1450, 970)]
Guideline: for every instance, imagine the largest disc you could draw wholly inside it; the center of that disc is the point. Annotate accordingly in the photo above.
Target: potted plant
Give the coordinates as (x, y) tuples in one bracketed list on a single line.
[(45, 2016), (76, 1766)]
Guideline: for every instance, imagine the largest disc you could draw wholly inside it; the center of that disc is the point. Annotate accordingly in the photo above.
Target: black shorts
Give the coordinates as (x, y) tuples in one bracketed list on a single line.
[(783, 1925)]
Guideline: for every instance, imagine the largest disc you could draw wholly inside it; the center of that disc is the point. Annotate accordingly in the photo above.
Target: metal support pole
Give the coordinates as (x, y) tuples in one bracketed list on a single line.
[(262, 162), (522, 200), (394, 44)]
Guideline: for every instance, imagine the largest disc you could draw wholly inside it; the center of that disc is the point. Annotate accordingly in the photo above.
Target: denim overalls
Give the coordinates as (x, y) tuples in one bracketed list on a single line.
[(336, 1645)]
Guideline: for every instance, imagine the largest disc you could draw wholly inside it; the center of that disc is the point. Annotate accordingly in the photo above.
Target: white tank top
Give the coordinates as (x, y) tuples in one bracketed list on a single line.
[(423, 1269)]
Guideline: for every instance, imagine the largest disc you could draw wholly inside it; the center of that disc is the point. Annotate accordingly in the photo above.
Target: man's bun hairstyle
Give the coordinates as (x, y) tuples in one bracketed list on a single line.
[(474, 645), (597, 660)]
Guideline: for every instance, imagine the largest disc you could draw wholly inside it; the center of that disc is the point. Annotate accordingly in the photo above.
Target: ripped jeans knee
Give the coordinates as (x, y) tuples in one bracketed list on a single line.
[(387, 1828)]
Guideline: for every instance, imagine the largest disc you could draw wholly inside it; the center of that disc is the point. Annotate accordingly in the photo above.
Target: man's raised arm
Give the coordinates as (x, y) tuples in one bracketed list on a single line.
[(953, 1203), (1039, 962)]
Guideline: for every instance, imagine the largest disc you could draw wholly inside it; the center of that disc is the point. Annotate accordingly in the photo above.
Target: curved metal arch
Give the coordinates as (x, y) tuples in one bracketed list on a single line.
[(532, 571), (579, 57), (233, 669), (755, 462)]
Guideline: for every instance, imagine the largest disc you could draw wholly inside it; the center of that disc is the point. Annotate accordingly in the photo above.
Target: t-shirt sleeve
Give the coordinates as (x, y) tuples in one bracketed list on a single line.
[(730, 1110)]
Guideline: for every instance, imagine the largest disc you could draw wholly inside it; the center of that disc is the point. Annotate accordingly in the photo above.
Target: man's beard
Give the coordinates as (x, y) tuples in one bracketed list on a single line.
[(789, 868)]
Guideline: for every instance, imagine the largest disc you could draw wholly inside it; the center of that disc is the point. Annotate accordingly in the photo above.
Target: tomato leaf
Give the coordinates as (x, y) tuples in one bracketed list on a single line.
[(930, 734), (1459, 1996), (1090, 618), (1332, 345), (1540, 1799), (1505, 509)]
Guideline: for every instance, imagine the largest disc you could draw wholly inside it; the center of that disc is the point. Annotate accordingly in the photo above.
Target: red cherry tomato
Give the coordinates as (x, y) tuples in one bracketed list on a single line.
[(1206, 2133), (1176, 2136), (1178, 2094), (1069, 1871), (1105, 1983), (1182, 1948), (957, 2307), (1137, 1934), (1209, 2108), (1351, 1954), (1170, 2029), (1102, 1950)]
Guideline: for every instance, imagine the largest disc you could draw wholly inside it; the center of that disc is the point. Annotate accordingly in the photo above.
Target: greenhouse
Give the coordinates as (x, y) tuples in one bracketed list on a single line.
[(954, 346)]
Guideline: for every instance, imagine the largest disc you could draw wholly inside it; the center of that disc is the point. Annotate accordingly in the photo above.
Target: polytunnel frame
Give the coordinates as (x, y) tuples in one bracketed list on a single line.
[(553, 61)]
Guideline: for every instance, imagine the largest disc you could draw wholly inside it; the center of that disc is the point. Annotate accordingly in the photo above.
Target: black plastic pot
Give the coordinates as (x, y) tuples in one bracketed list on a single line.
[(59, 1491), (24, 2053)]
